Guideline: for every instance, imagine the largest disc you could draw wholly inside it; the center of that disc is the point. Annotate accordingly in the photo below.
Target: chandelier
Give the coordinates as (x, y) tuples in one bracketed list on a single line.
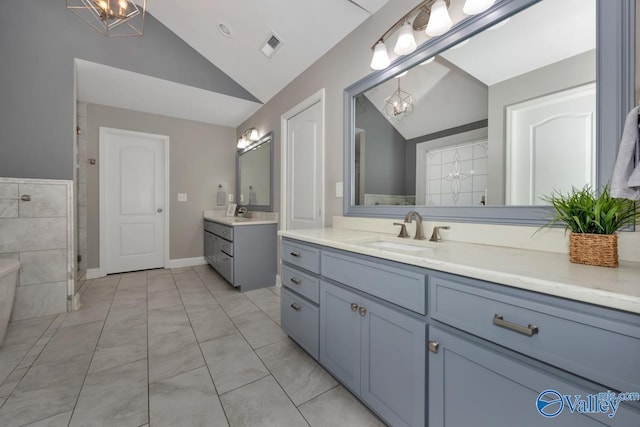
[(112, 18), (399, 104), (432, 16)]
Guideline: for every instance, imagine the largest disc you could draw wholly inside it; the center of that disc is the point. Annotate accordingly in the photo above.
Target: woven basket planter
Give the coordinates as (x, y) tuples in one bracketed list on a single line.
[(594, 249)]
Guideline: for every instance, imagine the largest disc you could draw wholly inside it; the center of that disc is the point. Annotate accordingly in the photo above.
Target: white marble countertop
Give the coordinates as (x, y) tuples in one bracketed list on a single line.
[(8, 266), (544, 272), (236, 221)]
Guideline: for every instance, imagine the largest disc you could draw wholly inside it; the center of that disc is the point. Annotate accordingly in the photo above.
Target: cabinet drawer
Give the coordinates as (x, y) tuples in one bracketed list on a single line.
[(225, 266), (302, 283), (226, 247), (300, 321), (219, 230), (398, 286), (602, 347), (302, 256)]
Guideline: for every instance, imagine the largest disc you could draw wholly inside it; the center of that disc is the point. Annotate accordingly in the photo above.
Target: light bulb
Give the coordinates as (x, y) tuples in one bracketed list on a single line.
[(428, 61), (380, 59), (473, 7), (103, 5), (253, 136), (123, 4), (406, 42), (439, 21)]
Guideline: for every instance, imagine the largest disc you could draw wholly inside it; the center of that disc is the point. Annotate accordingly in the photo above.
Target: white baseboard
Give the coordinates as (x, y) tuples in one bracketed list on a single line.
[(187, 262), (95, 273)]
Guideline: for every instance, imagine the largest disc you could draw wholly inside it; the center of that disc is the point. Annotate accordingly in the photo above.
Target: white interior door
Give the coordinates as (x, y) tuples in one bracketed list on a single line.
[(132, 166), (304, 168), (550, 145)]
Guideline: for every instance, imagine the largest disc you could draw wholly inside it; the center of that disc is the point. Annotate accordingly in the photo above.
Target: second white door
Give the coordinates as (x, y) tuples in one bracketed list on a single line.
[(305, 168), (132, 200)]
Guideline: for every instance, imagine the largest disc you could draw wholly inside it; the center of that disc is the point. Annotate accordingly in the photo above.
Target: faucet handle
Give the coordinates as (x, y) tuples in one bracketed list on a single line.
[(435, 236), (403, 230)]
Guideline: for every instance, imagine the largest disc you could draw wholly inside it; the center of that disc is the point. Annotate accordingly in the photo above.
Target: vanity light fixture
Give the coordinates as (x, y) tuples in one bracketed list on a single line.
[(418, 18), (248, 136), (112, 18), (432, 16), (474, 7)]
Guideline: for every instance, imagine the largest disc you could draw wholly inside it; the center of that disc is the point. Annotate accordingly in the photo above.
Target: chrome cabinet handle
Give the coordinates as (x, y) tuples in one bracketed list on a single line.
[(362, 311), (295, 281), (26, 198), (529, 330), (295, 254), (296, 307), (354, 306), (434, 346)]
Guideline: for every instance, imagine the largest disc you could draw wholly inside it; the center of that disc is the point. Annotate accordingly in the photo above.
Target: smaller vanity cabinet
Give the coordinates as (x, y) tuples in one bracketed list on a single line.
[(245, 255), (300, 294)]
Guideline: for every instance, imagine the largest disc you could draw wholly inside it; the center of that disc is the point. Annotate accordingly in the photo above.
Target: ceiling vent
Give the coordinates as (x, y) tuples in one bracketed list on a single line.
[(270, 46)]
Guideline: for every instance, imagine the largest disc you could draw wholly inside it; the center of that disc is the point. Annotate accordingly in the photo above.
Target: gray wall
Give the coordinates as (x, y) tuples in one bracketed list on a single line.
[(342, 66), (38, 41), (201, 157), (385, 157), (571, 72)]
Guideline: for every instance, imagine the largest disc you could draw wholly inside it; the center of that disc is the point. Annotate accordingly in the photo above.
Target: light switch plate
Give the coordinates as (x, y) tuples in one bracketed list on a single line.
[(339, 189), (230, 197), (182, 197)]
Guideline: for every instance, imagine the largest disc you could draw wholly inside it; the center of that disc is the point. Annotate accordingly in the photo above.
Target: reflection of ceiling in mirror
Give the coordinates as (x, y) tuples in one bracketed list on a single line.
[(452, 90)]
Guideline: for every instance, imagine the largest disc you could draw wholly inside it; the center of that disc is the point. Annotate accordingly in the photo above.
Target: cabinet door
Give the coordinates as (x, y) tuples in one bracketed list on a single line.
[(208, 247), (393, 364), (475, 385), (340, 334), (215, 254)]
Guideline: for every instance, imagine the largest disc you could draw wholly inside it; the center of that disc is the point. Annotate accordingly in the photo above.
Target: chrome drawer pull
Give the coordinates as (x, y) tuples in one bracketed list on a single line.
[(434, 346), (295, 281), (296, 307), (26, 198), (529, 330), (354, 306), (295, 254)]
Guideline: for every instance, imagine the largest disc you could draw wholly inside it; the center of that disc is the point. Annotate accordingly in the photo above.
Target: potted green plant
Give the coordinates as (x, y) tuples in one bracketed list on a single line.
[(593, 220)]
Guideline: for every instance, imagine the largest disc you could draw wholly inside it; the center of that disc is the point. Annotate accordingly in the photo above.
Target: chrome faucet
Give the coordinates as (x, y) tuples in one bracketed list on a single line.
[(419, 229)]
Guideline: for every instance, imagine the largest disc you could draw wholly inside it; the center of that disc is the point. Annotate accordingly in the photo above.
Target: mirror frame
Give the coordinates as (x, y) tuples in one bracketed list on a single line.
[(262, 140), (615, 88)]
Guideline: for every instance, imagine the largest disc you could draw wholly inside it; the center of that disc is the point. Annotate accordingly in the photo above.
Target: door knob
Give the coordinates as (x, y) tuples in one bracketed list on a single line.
[(159, 210)]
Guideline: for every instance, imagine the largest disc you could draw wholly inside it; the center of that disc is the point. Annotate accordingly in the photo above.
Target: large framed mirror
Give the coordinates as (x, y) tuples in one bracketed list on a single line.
[(524, 99), (254, 169)]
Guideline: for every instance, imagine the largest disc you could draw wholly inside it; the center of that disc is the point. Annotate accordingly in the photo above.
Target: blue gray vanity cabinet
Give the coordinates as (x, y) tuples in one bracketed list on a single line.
[(475, 383), (515, 345), (375, 350), (244, 255), (299, 313)]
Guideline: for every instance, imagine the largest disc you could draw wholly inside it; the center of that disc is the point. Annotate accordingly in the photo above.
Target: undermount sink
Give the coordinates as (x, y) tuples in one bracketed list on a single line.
[(240, 219), (395, 245)]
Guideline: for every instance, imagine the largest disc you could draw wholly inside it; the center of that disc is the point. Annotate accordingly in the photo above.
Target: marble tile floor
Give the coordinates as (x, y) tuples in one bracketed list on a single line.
[(176, 347)]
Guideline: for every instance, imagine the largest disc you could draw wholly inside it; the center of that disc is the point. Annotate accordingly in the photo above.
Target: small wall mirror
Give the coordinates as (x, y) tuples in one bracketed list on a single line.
[(254, 167)]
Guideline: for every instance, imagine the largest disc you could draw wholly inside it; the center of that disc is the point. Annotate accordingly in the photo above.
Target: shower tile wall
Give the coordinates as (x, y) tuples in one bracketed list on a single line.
[(36, 232), (81, 191), (457, 175)]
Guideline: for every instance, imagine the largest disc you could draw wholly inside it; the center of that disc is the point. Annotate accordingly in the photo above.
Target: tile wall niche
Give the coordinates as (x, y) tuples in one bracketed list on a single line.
[(81, 190), (39, 233)]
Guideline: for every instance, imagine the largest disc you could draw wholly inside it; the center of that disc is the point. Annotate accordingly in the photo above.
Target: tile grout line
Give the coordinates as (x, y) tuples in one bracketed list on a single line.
[(215, 389), (148, 364), (86, 374), (25, 355)]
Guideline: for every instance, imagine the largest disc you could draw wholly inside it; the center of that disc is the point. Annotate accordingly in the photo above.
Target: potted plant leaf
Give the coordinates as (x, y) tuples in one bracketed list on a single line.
[(593, 220)]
